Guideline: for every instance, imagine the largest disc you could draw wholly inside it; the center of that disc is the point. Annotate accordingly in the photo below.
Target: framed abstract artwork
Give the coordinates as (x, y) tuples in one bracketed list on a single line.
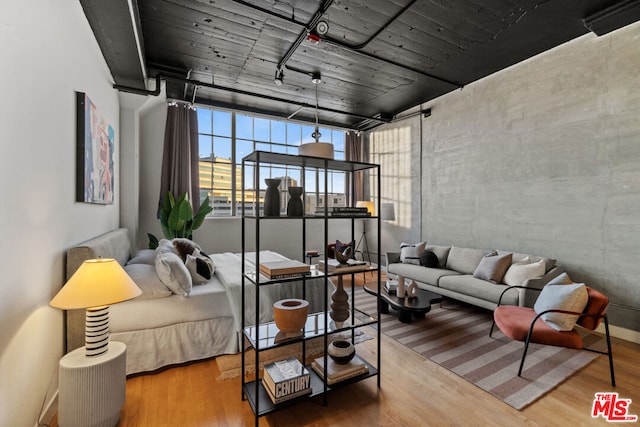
[(94, 154)]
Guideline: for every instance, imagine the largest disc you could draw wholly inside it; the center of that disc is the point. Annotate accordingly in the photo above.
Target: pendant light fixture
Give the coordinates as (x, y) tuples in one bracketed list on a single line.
[(317, 148)]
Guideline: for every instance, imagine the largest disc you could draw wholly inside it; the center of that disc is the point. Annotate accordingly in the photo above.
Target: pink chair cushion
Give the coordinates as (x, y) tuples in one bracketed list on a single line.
[(515, 321), (597, 305)]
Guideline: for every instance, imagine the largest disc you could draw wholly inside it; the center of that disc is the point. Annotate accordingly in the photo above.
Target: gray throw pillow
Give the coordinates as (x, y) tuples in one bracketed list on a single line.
[(143, 256), (411, 253), (147, 280), (573, 297), (200, 267), (492, 268), (173, 273), (464, 260)]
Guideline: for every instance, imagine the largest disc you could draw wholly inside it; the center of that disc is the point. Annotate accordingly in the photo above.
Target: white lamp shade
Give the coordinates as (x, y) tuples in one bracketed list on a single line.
[(387, 212), (96, 283), (367, 204), (316, 149)]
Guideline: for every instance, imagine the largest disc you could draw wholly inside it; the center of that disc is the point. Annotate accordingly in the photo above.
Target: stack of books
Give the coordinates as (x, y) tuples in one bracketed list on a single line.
[(284, 269), (334, 266), (337, 372), (343, 211), (286, 379)]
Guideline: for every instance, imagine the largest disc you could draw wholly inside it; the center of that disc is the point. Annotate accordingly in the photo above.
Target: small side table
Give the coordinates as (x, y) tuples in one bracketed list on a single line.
[(312, 255), (92, 389)]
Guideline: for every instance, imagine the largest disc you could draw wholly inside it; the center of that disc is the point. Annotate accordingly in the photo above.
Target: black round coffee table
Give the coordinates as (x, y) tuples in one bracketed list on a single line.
[(407, 307)]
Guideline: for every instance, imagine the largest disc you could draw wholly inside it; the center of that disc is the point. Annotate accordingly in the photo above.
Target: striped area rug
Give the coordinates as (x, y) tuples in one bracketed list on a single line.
[(456, 337)]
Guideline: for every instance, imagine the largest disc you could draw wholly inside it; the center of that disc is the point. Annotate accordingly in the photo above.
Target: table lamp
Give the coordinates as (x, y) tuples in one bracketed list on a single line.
[(95, 285), (92, 384), (363, 238)]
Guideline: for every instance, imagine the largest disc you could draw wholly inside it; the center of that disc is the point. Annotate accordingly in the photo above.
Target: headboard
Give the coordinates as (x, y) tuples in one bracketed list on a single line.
[(113, 244)]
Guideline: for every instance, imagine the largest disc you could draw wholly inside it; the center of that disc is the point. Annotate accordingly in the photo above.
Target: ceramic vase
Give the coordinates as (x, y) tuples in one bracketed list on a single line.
[(412, 290), (290, 315), (272, 197), (295, 207), (341, 351), (339, 305)]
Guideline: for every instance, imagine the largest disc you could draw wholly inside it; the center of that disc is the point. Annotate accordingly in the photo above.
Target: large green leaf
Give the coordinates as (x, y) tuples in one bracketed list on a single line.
[(204, 209)]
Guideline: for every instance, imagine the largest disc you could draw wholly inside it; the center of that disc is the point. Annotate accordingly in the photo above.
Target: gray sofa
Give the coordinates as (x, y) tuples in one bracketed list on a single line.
[(454, 277)]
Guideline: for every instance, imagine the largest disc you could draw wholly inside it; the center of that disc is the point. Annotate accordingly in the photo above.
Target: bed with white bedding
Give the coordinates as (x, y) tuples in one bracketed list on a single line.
[(161, 328)]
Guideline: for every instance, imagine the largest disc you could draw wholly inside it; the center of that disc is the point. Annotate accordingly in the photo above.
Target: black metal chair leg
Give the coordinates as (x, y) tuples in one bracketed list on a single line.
[(606, 327), (493, 324), (524, 354)]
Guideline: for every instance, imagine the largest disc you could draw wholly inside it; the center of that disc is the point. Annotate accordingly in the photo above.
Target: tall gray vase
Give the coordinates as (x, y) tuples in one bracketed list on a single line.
[(295, 206), (272, 197), (339, 304)]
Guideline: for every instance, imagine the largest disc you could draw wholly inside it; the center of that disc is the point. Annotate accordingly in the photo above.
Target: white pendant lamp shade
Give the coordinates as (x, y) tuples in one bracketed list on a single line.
[(316, 149)]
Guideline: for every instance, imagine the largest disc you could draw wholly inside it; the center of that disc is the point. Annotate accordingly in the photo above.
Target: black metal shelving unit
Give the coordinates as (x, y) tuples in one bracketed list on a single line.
[(262, 336)]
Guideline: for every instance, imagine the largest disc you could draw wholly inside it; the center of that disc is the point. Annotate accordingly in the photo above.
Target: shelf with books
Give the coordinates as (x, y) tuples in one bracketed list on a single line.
[(303, 230)]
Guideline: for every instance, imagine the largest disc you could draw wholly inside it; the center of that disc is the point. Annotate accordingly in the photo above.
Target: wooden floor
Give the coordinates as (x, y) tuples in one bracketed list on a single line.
[(414, 392)]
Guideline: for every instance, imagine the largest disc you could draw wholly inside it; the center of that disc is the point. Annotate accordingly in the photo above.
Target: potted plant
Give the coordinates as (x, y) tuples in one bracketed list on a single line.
[(177, 219)]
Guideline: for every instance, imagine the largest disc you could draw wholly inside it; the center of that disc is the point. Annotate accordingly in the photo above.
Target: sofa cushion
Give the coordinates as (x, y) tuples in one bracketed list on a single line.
[(147, 280), (410, 253), (200, 267), (464, 260), (420, 273), (518, 273), (471, 286), (183, 247), (442, 252), (549, 263), (572, 297), (493, 268), (429, 259)]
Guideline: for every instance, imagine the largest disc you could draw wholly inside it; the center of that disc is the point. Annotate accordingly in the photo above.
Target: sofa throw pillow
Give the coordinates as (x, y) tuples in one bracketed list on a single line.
[(464, 260), (173, 273), (147, 280), (164, 246), (442, 252), (518, 273), (493, 267), (200, 266), (184, 247), (143, 256), (411, 253), (429, 259), (562, 279), (518, 258), (571, 297)]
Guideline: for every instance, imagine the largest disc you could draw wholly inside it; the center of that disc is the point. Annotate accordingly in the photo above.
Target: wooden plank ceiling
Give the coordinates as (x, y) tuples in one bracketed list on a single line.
[(378, 58)]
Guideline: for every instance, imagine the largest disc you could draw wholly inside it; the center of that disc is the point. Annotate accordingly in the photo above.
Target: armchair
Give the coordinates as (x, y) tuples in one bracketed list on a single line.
[(525, 324)]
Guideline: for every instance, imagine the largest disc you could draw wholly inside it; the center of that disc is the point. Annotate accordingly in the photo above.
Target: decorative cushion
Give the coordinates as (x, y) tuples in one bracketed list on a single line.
[(411, 253), (518, 273), (518, 258), (164, 246), (184, 247), (464, 260), (571, 297), (429, 259), (143, 256), (562, 279), (493, 267), (173, 273), (442, 252), (147, 280), (200, 267)]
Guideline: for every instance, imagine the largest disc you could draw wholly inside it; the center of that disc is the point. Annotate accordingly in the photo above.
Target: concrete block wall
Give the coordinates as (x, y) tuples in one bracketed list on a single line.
[(543, 158)]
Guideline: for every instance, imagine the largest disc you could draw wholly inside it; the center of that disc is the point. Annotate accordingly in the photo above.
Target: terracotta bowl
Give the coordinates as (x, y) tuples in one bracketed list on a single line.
[(290, 315)]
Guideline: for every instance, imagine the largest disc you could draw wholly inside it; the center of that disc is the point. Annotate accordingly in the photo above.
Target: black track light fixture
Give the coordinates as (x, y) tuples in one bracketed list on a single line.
[(279, 77)]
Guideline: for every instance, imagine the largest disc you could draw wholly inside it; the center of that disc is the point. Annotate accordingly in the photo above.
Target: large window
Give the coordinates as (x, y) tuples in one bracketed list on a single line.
[(225, 137)]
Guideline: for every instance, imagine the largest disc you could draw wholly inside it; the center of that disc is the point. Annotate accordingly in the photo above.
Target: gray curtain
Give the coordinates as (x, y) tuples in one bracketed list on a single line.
[(354, 152), (180, 159)]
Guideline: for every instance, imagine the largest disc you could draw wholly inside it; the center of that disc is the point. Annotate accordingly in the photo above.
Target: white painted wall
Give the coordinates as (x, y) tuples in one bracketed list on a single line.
[(48, 52)]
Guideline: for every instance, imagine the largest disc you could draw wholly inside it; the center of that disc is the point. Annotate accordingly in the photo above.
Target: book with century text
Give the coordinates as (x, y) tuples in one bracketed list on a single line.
[(286, 379)]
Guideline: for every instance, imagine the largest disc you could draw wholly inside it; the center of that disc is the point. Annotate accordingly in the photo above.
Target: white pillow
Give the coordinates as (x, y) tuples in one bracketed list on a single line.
[(573, 297), (200, 266), (143, 256), (173, 273), (147, 280), (518, 273), (410, 253)]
